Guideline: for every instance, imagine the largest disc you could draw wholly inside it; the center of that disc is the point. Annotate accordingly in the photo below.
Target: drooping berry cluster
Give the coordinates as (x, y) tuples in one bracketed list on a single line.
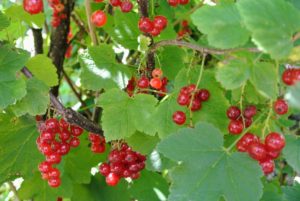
[(125, 5), (192, 98), (98, 18), (58, 14), (239, 120), (55, 140), (281, 107), (175, 3), (185, 30), (291, 76), (154, 27), (33, 6), (265, 152), (123, 163), (97, 143)]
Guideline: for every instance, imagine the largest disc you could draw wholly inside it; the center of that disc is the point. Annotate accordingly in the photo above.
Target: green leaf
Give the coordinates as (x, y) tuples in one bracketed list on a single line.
[(37, 189), (11, 88), (292, 193), (18, 153), (293, 96), (207, 171), (233, 75), (171, 64), (150, 186), (100, 69), (291, 151), (142, 143), (272, 192), (36, 100), (271, 30), (43, 69), (4, 22), (79, 161), (17, 12), (264, 77), (222, 24), (82, 192), (213, 110), (125, 30), (123, 115)]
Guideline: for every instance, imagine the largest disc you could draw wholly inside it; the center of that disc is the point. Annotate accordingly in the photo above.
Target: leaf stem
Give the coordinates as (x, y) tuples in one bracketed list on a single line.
[(266, 126)]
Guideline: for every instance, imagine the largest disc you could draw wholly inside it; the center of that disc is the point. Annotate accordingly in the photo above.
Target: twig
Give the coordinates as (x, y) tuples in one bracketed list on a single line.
[(70, 115), (198, 48), (296, 36), (14, 190)]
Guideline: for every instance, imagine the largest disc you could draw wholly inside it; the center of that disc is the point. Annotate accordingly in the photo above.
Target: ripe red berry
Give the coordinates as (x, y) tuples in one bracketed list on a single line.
[(64, 148), (155, 32), (267, 166), (135, 175), (55, 21), (98, 18), (53, 158), (143, 82), (45, 166), (160, 22), (45, 149), (274, 142), (54, 182), (146, 25), (179, 117), (47, 136), (183, 99), (233, 112), (248, 122), (74, 142), (115, 3), (98, 148), (33, 6), (104, 169), (76, 130), (184, 23), (288, 77), (183, 2), (203, 94), (191, 88), (64, 135), (250, 111), (156, 83), (273, 154), (112, 179), (245, 141), (157, 72), (235, 127), (196, 105), (281, 107), (257, 151), (52, 124), (63, 124), (126, 6), (54, 173), (173, 3)]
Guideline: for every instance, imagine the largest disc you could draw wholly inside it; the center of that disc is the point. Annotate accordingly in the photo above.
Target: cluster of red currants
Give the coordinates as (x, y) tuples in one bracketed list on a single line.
[(291, 76), (184, 29), (33, 6), (98, 18), (58, 14), (174, 3), (123, 163), (191, 97), (125, 5), (154, 27), (281, 107), (264, 153), (97, 143), (238, 120), (55, 140)]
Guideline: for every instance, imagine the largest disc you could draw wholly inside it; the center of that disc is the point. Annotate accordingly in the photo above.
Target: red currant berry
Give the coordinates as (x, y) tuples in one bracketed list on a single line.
[(53, 158), (281, 107), (235, 127), (134, 168), (196, 105), (274, 142), (115, 3), (54, 173), (245, 141), (112, 179), (55, 22), (183, 2), (184, 23), (33, 6), (130, 157), (45, 167), (47, 136), (63, 124), (64, 135), (233, 112), (157, 72), (126, 173), (46, 149), (117, 168), (126, 6), (203, 94), (179, 117), (54, 182), (155, 32), (98, 148), (191, 88), (156, 83), (135, 175), (74, 142), (273, 154), (52, 125), (104, 169), (250, 111), (173, 3), (146, 25), (267, 166), (76, 130), (64, 148), (160, 22), (143, 82), (98, 18), (287, 77), (164, 81), (248, 122), (183, 99), (257, 151)]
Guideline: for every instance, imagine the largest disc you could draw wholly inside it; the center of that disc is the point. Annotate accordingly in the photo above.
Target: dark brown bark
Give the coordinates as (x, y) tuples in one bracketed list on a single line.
[(38, 40)]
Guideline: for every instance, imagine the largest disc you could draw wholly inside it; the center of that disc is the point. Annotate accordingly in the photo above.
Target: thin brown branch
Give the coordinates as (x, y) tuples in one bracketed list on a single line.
[(70, 115), (197, 47), (14, 190), (88, 11)]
